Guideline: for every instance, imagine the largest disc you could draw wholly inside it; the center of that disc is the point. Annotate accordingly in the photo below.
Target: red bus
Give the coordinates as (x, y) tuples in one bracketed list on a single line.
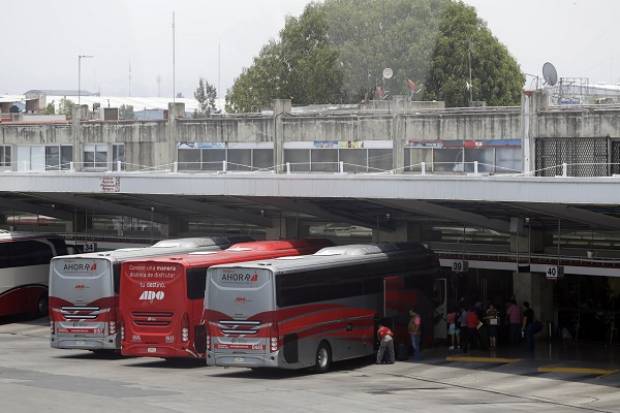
[(161, 299), (308, 311)]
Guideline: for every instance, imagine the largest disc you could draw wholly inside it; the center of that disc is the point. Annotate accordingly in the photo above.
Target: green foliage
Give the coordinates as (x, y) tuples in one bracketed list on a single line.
[(336, 52), (496, 76), (371, 35), (50, 109), (301, 65), (66, 107), (205, 94)]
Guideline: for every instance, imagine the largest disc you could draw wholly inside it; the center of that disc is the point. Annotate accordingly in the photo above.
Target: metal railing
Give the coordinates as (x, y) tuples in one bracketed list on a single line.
[(472, 168)]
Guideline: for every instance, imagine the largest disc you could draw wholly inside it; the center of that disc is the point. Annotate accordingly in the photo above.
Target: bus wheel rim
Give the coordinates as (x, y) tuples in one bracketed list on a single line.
[(322, 357)]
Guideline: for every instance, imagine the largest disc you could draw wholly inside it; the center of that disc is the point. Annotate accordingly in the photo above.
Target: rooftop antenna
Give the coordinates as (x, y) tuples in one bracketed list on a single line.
[(550, 74)]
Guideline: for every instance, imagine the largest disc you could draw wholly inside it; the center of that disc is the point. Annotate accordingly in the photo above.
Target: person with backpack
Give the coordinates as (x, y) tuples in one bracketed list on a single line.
[(528, 326), (386, 345), (454, 329), (415, 330)]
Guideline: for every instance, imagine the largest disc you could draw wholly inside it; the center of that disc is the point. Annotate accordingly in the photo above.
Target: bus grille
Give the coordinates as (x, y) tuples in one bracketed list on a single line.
[(159, 319), (242, 327), (80, 313)]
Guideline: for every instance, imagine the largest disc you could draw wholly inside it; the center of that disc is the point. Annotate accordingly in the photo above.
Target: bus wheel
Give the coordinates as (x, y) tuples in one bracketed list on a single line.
[(41, 307), (323, 359)]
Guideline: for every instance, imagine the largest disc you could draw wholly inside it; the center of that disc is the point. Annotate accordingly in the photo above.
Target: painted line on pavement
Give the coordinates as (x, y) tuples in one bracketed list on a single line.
[(577, 370), (478, 359)]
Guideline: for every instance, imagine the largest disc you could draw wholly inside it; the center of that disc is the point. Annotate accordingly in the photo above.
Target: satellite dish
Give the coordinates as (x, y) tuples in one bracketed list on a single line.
[(388, 73), (550, 74)]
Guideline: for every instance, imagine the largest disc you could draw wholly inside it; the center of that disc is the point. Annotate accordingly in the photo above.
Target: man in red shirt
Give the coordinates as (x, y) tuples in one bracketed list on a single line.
[(386, 343)]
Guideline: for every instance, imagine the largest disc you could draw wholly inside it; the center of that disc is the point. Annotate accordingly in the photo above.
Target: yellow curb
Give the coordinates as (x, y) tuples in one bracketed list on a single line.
[(475, 359), (577, 370)]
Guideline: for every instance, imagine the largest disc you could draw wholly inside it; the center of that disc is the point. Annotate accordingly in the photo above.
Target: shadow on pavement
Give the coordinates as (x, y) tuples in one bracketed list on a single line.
[(277, 374), (25, 319)]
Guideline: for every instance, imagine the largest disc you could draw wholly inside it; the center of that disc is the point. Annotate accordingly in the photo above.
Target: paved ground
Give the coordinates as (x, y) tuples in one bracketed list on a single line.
[(34, 377)]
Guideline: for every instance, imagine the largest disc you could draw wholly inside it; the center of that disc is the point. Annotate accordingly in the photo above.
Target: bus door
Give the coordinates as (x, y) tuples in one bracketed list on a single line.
[(440, 308), (397, 301)]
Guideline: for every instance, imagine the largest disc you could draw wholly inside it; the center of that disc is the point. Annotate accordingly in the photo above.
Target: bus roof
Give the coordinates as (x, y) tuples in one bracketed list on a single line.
[(165, 247), (338, 255), (252, 250)]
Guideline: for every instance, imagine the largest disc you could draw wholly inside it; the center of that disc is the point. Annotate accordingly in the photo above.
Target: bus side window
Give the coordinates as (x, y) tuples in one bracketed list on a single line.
[(59, 246), (116, 274), (196, 283), (24, 253)]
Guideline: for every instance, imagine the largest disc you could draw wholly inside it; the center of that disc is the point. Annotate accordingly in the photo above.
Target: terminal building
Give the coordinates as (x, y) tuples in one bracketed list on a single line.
[(517, 201)]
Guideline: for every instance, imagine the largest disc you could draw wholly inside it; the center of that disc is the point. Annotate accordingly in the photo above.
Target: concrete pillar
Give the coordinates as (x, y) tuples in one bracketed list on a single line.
[(82, 222), (176, 227), (532, 287), (405, 231), (538, 291), (280, 108), (286, 228), (175, 110)]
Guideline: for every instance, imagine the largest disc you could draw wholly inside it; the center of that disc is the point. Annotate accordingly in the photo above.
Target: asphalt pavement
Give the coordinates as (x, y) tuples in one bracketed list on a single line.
[(37, 378)]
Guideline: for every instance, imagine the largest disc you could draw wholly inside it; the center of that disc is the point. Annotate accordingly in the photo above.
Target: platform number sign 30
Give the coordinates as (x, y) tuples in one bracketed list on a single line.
[(459, 266)]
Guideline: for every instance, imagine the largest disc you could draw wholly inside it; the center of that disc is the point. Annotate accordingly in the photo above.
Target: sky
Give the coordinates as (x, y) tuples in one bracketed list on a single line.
[(42, 39)]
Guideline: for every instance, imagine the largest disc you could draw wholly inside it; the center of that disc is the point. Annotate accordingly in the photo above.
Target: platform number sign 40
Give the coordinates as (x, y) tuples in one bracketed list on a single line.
[(553, 272)]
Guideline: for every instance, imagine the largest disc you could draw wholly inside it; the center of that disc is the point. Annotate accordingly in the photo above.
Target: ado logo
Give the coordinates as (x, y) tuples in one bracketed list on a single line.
[(152, 296)]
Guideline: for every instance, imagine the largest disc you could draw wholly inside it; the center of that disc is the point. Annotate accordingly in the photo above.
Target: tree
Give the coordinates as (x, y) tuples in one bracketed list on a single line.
[(301, 65), (464, 41), (50, 109), (206, 94), (371, 35), (66, 107), (125, 112)]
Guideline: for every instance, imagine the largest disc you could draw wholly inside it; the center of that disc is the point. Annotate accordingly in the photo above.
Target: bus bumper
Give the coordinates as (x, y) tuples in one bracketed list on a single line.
[(269, 360), (157, 350), (72, 341)]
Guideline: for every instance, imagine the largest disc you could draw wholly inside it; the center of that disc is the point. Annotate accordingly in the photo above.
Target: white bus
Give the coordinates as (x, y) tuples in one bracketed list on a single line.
[(83, 294), (307, 311), (24, 268)]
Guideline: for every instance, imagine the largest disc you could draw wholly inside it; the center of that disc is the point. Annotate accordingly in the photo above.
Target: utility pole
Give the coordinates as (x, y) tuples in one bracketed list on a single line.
[(130, 78), (158, 85), (80, 57), (219, 68), (174, 86)]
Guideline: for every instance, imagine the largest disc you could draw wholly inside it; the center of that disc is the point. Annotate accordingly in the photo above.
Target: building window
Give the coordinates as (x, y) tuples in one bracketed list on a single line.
[(118, 155), (95, 155), (5, 156), (196, 156), (326, 156), (44, 158)]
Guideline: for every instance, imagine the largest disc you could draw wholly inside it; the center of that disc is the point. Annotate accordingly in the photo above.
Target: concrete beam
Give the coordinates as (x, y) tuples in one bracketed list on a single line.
[(310, 208), (430, 209), (203, 208), (106, 207), (574, 214), (8, 205)]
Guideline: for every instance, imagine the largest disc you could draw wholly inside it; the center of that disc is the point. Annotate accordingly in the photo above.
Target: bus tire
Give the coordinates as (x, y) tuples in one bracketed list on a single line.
[(41, 306), (323, 358)]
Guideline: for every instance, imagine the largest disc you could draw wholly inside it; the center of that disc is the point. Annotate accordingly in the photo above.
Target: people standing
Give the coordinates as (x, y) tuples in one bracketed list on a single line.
[(527, 327), (454, 329), (464, 330), (472, 328), (386, 345), (492, 321), (514, 315), (415, 330)]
